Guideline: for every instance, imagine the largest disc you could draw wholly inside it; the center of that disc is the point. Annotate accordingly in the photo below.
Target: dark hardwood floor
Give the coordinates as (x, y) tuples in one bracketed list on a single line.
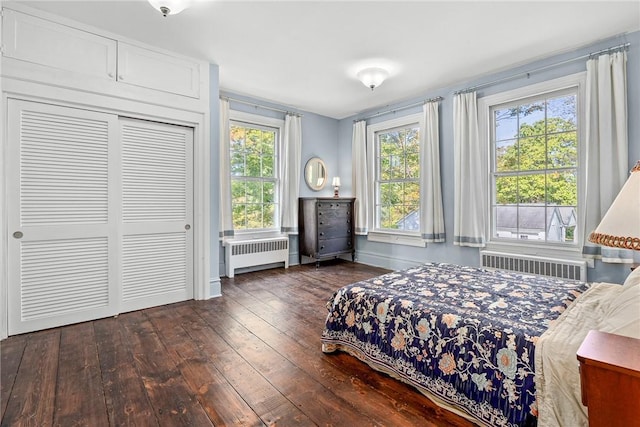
[(251, 357)]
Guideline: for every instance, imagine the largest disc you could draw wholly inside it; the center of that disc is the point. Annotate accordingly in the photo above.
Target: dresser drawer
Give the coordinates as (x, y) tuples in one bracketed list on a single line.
[(330, 246)]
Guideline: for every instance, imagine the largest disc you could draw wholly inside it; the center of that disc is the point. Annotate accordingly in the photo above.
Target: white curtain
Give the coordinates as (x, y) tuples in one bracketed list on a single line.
[(431, 215), (226, 219), (470, 174), (359, 177), (290, 173), (607, 155)]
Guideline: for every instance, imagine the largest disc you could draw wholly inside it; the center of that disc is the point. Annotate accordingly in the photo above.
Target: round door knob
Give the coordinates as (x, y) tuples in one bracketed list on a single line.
[(186, 227), (18, 234)]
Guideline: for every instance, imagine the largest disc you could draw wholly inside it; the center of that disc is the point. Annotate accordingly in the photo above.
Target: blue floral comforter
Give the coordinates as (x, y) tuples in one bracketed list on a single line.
[(465, 335)]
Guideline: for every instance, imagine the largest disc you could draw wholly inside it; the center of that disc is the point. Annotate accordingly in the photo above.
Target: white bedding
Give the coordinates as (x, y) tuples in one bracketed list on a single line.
[(604, 307)]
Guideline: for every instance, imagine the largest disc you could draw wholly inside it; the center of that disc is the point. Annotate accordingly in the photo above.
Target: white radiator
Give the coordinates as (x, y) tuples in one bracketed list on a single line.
[(564, 269), (249, 253)]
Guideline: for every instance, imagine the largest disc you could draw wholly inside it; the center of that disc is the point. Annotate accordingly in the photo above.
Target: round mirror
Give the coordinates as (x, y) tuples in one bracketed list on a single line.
[(315, 174)]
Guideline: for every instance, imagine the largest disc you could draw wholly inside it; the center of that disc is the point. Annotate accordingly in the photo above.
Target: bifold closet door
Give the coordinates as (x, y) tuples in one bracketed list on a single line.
[(62, 208), (157, 212)]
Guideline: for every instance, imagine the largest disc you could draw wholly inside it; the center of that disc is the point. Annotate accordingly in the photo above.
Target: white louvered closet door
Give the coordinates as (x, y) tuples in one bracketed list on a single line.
[(61, 209), (157, 212)]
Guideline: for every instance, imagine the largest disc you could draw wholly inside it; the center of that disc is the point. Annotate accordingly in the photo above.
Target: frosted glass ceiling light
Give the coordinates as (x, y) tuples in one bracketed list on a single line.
[(170, 7), (372, 77)]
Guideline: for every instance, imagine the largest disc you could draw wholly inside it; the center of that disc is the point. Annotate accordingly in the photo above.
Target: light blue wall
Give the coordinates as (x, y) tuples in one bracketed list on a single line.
[(396, 256)]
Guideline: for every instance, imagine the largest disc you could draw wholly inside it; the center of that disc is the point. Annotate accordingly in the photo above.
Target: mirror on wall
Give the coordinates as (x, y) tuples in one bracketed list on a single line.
[(315, 173)]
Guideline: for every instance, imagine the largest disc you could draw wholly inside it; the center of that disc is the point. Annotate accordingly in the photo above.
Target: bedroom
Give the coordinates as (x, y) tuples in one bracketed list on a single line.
[(330, 139)]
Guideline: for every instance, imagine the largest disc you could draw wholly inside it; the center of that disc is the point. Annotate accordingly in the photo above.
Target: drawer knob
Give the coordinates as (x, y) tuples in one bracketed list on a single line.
[(321, 247), (321, 222), (322, 233)]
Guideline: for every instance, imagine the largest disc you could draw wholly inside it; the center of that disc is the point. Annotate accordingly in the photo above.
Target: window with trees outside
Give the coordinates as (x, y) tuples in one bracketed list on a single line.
[(397, 185), (254, 179), (534, 145)]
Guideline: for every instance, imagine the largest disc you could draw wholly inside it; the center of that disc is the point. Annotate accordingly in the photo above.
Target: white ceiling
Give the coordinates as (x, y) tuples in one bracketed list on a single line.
[(305, 54)]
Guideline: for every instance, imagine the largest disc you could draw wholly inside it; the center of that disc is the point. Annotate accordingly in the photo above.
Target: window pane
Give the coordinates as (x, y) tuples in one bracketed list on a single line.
[(268, 143), (384, 217), (252, 166), (506, 190), (269, 216), (531, 118), (531, 188), (411, 193), (239, 217), (413, 165), (562, 188), (268, 166), (562, 150), (507, 156), (253, 138), (531, 223), (506, 123), (385, 168), (254, 216), (254, 192), (506, 221), (237, 163), (236, 137), (412, 140), (533, 153), (268, 192), (561, 113), (412, 218), (396, 167), (238, 192)]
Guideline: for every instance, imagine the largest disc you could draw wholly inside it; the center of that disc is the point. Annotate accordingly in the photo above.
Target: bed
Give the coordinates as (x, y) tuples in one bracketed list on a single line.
[(475, 341)]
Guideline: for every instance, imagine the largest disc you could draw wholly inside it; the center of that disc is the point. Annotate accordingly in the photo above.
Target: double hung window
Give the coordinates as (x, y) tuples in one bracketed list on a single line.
[(254, 174), (535, 167), (395, 145)]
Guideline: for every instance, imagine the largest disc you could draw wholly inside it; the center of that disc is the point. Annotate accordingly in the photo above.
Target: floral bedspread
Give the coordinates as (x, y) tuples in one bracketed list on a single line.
[(464, 334)]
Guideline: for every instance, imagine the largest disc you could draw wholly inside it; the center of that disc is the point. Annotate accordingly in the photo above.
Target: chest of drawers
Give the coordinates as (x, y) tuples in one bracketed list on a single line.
[(325, 227)]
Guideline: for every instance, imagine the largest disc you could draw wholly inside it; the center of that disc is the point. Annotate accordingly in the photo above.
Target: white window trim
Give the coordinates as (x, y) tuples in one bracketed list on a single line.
[(256, 119), (388, 236), (571, 252)]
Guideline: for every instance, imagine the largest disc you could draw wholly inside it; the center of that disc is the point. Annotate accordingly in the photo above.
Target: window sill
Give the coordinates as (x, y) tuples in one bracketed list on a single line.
[(254, 235), (569, 253), (396, 239)]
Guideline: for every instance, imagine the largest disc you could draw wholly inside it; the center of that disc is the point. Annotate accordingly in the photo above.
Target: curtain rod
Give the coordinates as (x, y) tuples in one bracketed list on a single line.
[(557, 64), (379, 113), (253, 104)]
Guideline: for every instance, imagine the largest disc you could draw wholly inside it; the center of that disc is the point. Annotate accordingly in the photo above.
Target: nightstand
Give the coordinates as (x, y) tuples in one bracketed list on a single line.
[(610, 379)]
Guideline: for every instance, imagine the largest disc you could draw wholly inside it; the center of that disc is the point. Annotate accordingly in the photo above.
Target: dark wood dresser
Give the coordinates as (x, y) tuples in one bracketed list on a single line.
[(325, 227), (610, 379)]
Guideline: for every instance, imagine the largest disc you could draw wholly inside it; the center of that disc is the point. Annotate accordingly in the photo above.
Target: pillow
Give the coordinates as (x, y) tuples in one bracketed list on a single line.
[(633, 279), (623, 316)]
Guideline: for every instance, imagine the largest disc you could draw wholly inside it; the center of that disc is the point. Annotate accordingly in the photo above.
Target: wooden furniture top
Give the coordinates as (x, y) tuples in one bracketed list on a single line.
[(610, 351)]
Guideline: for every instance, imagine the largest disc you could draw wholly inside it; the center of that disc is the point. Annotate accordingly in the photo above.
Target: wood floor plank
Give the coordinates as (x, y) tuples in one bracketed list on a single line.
[(11, 350), (218, 398), (265, 400), (79, 380), (314, 399), (33, 396), (172, 400), (125, 394)]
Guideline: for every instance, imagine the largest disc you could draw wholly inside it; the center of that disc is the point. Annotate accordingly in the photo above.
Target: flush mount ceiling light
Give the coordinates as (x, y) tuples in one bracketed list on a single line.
[(372, 77), (170, 7)]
